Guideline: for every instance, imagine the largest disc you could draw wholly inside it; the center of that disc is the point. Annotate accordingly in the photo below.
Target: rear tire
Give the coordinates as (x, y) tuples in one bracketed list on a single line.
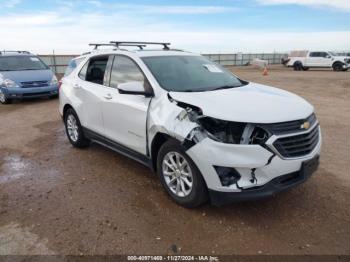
[(74, 130), (298, 66), (190, 193)]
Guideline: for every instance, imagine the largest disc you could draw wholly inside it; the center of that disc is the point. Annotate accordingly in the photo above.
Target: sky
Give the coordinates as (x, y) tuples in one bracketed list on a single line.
[(206, 26)]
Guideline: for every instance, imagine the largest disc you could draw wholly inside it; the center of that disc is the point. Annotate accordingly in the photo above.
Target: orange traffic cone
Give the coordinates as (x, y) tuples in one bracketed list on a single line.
[(265, 72)]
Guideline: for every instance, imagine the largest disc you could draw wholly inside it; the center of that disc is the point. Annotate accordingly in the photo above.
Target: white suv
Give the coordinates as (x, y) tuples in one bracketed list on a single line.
[(205, 132)]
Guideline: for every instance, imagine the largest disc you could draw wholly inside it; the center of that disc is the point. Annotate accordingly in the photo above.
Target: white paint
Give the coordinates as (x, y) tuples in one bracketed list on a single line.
[(253, 103)]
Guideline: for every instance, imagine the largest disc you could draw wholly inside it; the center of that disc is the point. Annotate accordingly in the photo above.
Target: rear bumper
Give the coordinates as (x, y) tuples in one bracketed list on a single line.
[(276, 185), (22, 93)]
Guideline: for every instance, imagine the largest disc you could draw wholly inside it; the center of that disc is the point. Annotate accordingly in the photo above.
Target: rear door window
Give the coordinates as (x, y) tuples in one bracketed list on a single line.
[(94, 70)]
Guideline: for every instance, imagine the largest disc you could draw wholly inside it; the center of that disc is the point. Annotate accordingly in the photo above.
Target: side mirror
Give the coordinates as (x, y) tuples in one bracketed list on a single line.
[(133, 88)]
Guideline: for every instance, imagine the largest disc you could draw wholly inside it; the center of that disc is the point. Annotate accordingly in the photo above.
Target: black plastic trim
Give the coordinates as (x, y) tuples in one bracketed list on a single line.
[(97, 138)]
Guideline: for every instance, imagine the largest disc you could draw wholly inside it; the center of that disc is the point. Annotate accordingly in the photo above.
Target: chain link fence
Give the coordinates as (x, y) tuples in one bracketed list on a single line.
[(58, 63), (241, 59)]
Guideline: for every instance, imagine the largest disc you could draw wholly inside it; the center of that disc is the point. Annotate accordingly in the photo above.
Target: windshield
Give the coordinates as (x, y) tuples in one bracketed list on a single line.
[(19, 63), (190, 74)]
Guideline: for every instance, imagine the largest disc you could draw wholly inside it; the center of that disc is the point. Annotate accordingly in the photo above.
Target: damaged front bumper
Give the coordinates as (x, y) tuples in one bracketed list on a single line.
[(276, 185), (262, 172), (241, 161)]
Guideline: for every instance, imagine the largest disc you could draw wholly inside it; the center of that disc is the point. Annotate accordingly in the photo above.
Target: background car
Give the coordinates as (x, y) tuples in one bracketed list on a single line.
[(24, 75)]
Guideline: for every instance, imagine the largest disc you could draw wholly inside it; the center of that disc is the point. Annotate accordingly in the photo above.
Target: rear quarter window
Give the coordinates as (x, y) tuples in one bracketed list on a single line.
[(73, 65)]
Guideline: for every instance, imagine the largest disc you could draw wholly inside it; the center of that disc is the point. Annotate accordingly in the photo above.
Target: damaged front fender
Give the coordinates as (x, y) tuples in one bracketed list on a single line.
[(169, 118), (183, 122)]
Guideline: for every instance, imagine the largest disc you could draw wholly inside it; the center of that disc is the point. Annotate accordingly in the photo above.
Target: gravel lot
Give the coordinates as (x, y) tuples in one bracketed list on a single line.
[(55, 199)]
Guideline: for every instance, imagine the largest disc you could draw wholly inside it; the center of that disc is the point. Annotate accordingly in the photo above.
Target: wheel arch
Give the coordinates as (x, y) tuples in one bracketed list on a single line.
[(297, 62), (158, 140), (65, 109), (337, 62)]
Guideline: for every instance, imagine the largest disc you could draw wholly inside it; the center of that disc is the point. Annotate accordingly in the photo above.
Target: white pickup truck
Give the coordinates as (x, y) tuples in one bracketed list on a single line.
[(303, 60)]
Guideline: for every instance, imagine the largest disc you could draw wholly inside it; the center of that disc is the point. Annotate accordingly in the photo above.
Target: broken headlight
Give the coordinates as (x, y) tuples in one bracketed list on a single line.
[(258, 136), (233, 132), (222, 131)]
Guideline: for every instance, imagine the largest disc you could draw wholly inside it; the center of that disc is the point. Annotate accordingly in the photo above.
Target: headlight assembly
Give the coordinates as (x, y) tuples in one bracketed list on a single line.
[(8, 83), (222, 131), (233, 132), (54, 80)]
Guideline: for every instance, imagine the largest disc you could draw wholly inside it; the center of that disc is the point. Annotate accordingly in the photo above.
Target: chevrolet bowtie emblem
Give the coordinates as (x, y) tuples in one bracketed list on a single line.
[(305, 125)]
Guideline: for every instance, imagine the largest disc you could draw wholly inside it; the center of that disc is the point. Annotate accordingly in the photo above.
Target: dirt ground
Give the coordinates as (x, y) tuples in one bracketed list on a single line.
[(55, 199)]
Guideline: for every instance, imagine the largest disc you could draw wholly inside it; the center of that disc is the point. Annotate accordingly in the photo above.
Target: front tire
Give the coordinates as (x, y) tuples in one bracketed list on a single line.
[(74, 130), (180, 176), (338, 67), (3, 99)]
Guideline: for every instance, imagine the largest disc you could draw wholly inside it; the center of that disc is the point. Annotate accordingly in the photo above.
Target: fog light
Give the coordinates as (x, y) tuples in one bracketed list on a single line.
[(227, 175)]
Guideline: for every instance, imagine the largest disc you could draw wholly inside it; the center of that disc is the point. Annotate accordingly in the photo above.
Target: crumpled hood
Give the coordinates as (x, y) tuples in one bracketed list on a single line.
[(253, 103), (27, 75)]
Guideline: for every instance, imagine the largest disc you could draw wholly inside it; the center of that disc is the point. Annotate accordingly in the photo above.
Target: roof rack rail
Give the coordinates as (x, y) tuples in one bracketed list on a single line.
[(121, 43), (14, 51), (96, 46)]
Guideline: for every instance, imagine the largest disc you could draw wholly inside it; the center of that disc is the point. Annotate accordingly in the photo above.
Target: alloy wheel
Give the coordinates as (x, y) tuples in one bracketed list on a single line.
[(177, 174), (72, 128)]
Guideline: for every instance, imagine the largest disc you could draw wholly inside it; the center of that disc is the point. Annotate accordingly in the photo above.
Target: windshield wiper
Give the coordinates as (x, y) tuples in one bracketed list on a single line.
[(27, 69), (224, 87)]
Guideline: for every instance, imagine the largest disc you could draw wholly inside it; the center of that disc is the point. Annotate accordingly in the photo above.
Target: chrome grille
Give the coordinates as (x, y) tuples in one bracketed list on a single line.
[(298, 145), (33, 84), (289, 127)]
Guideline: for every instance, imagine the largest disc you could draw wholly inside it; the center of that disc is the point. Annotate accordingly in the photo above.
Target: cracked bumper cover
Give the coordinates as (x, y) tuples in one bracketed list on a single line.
[(276, 185), (209, 153)]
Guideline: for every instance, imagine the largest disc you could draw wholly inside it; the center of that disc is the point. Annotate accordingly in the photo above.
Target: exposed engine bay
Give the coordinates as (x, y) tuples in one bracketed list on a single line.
[(220, 130)]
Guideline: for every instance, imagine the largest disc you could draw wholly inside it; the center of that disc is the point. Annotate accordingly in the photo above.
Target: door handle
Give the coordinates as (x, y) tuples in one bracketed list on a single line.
[(76, 86), (108, 96)]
